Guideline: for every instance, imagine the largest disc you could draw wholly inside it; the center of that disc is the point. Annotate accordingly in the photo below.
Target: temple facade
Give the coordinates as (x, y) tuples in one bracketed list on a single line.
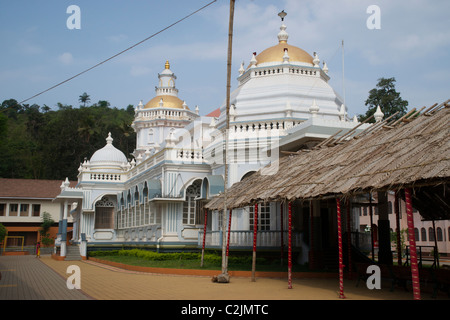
[(155, 197)]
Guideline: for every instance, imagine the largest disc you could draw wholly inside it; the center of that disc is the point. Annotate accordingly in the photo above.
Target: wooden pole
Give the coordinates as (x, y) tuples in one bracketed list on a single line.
[(255, 231), (341, 264), (282, 231), (227, 127), (349, 241), (397, 228), (412, 245), (435, 251), (290, 247), (371, 226), (311, 235), (204, 237)]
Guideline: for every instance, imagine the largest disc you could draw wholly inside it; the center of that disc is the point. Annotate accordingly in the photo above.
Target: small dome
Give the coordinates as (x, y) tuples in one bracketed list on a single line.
[(276, 54), (108, 154), (168, 102)]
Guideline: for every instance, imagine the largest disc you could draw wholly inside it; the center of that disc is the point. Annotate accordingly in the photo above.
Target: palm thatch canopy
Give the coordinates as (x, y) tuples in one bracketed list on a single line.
[(413, 152)]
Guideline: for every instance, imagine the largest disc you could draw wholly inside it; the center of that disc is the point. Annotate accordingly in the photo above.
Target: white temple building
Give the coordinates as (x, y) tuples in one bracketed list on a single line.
[(283, 103)]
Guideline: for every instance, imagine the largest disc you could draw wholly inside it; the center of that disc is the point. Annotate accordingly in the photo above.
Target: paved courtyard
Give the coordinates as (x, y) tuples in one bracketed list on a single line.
[(30, 278)]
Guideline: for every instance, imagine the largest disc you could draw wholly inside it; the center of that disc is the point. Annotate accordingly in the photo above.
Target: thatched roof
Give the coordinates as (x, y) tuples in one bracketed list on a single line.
[(411, 152)]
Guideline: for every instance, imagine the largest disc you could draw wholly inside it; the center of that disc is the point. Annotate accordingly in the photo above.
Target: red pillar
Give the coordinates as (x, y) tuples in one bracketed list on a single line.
[(412, 245), (229, 232), (290, 248), (341, 264), (255, 231)]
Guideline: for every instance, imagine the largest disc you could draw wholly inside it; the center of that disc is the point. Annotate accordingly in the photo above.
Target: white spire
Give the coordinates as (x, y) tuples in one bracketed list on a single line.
[(253, 61), (378, 114), (325, 67), (241, 69), (316, 60), (314, 109), (342, 112), (286, 56)]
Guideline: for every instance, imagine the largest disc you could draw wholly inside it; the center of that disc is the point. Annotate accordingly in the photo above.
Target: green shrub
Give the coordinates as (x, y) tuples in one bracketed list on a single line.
[(214, 258)]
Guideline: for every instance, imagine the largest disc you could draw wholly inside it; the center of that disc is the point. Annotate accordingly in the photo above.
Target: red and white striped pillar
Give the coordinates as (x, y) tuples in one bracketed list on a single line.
[(290, 247), (412, 245), (341, 264), (255, 232)]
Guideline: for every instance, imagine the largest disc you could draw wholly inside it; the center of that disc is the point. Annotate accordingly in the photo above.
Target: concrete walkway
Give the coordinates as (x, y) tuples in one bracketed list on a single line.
[(29, 278)]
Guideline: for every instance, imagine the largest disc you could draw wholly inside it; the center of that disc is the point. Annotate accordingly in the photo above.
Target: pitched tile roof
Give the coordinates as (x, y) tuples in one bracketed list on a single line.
[(30, 188), (215, 113)]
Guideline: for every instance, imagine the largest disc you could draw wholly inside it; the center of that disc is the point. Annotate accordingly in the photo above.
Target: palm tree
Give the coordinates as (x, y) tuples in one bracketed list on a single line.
[(84, 98)]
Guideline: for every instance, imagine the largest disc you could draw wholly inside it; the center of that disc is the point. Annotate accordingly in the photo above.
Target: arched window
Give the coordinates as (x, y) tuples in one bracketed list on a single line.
[(416, 234), (439, 234), (423, 232), (431, 234), (191, 207), (104, 213)]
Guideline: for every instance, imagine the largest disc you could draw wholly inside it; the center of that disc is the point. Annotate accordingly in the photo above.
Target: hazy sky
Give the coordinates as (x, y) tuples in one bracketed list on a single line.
[(39, 50)]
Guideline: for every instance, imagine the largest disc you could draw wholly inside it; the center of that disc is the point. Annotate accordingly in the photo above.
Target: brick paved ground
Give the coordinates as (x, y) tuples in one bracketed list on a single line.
[(28, 278)]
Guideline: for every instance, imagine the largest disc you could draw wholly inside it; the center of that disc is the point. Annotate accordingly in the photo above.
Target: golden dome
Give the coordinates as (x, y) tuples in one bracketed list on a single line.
[(276, 53), (168, 102)]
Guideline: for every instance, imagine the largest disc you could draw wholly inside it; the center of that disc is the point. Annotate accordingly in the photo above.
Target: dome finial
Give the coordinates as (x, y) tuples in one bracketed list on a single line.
[(109, 140), (282, 35), (167, 64)]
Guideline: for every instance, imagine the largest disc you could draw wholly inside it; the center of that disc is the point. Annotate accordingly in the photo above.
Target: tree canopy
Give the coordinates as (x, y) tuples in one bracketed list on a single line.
[(43, 143), (385, 96)]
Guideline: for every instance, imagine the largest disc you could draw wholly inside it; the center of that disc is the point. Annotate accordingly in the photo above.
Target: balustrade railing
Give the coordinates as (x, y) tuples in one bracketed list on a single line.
[(244, 238)]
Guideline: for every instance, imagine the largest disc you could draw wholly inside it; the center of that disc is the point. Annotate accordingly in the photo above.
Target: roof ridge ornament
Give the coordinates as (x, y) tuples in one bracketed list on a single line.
[(378, 114)]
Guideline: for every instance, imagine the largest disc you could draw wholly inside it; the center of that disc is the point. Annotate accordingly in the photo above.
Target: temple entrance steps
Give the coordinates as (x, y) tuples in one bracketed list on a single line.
[(73, 253)]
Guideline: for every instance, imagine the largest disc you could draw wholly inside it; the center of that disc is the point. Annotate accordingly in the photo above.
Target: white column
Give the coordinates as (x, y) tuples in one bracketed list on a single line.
[(64, 230)]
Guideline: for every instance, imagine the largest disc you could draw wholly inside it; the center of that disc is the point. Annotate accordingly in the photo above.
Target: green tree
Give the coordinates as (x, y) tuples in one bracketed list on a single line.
[(47, 222), (3, 232), (84, 98), (385, 96)]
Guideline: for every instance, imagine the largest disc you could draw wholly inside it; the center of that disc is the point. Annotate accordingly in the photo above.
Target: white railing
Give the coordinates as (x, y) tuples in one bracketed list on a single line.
[(244, 238)]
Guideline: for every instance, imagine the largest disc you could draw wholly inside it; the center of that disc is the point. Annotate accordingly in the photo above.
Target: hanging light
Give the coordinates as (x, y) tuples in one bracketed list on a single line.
[(282, 15)]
